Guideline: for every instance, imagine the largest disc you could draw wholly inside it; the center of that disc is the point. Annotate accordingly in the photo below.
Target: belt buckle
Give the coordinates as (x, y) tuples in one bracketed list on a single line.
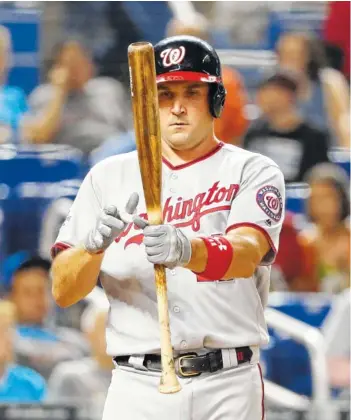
[(179, 367)]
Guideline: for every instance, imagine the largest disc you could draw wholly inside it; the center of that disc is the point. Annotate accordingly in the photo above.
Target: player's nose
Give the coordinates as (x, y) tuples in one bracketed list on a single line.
[(177, 107)]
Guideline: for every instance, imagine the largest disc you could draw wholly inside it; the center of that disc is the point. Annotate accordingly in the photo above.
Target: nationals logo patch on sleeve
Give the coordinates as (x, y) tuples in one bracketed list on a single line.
[(270, 201)]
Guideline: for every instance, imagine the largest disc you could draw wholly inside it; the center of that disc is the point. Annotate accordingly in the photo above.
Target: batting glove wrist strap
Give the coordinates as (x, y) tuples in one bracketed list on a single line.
[(184, 247), (219, 257)]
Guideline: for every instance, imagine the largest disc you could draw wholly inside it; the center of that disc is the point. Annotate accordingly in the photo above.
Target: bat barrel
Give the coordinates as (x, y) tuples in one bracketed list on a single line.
[(146, 124), (142, 71)]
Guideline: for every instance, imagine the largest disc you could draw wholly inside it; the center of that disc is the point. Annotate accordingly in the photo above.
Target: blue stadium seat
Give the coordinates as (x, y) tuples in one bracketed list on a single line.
[(341, 156), (24, 26), (31, 177), (296, 196), (286, 361)]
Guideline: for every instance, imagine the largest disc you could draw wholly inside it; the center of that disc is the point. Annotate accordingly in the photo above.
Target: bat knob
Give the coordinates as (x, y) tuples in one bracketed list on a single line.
[(169, 383), (167, 389)]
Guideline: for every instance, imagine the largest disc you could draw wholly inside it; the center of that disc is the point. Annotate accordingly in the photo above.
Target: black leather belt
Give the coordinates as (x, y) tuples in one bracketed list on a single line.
[(189, 364)]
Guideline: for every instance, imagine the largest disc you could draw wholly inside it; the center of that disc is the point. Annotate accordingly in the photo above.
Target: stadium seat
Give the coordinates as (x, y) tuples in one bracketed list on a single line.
[(31, 177), (296, 195), (24, 25), (341, 156), (286, 361)]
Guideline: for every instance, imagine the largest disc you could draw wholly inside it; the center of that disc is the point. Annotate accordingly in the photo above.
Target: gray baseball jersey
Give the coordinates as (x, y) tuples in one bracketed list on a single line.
[(228, 188)]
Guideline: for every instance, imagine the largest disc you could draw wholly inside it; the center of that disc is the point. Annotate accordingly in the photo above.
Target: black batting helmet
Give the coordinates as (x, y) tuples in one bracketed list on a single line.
[(191, 59)]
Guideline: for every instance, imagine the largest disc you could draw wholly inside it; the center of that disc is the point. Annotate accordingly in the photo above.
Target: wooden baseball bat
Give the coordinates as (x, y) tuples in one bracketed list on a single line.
[(148, 140)]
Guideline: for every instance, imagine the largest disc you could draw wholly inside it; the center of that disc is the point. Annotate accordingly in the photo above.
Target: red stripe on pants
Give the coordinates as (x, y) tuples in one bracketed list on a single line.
[(262, 403)]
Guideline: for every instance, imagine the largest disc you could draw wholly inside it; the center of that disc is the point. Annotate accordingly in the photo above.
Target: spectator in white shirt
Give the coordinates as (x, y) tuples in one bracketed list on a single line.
[(75, 107), (85, 382)]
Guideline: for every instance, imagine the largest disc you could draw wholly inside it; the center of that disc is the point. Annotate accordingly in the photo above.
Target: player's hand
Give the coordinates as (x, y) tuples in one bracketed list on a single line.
[(109, 226), (165, 244)]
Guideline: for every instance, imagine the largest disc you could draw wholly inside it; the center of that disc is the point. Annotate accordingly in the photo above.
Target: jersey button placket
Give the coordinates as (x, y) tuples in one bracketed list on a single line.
[(172, 177)]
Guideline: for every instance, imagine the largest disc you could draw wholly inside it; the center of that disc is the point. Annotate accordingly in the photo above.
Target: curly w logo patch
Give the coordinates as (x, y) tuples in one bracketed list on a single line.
[(172, 56)]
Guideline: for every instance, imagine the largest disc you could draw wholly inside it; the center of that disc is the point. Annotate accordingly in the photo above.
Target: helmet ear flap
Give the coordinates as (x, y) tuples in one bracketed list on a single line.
[(216, 98)]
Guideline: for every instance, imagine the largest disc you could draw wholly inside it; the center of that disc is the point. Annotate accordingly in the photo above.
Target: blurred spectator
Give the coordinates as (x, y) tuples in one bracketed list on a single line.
[(324, 96), (292, 269), (38, 344), (124, 31), (233, 122), (281, 133), (246, 22), (74, 107), (336, 330), (12, 99), (85, 382), (89, 20), (337, 31), (329, 237), (18, 384), (114, 145)]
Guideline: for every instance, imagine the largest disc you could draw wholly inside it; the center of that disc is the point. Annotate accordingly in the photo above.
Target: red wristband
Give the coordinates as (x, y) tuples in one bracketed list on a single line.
[(220, 254)]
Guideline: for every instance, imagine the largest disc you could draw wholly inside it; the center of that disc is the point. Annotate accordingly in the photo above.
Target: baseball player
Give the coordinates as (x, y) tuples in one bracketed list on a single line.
[(223, 210)]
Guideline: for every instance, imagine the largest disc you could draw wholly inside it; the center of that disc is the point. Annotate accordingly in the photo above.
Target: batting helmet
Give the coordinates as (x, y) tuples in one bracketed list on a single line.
[(191, 59)]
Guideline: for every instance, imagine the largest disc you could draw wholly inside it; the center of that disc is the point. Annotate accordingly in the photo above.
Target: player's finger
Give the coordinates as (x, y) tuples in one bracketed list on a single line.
[(151, 240), (154, 259), (111, 210), (155, 230), (154, 251), (112, 222), (105, 231), (132, 203), (140, 222), (98, 240), (125, 217)]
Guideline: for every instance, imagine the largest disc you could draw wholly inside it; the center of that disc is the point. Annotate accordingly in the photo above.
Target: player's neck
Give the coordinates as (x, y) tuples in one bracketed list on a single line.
[(178, 157)]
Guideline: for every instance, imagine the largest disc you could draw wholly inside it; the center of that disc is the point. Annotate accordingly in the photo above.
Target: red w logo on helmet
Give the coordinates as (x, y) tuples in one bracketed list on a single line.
[(172, 56)]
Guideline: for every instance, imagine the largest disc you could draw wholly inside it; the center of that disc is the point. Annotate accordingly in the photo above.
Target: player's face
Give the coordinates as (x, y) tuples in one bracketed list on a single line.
[(184, 114)]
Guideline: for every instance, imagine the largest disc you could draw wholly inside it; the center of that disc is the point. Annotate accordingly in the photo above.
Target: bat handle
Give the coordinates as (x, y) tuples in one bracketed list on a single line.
[(169, 383)]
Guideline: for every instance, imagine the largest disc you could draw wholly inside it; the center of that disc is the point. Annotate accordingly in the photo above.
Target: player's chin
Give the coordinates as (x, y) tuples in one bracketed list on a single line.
[(179, 141)]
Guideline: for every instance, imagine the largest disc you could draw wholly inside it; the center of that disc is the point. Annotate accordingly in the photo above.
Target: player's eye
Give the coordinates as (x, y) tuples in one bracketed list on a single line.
[(165, 94), (193, 93)]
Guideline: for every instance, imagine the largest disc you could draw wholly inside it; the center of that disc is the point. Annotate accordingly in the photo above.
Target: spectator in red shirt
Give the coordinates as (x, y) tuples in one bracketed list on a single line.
[(337, 30), (292, 269)]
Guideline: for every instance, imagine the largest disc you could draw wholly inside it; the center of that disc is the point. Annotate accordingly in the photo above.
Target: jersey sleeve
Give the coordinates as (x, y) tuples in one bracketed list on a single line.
[(81, 217), (260, 204)]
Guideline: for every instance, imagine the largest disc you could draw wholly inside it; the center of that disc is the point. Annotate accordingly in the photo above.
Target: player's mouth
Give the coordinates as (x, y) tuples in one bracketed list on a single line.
[(178, 124)]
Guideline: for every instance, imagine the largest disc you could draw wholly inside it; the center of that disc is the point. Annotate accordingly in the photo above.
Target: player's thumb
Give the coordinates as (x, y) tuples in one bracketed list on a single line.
[(140, 222)]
